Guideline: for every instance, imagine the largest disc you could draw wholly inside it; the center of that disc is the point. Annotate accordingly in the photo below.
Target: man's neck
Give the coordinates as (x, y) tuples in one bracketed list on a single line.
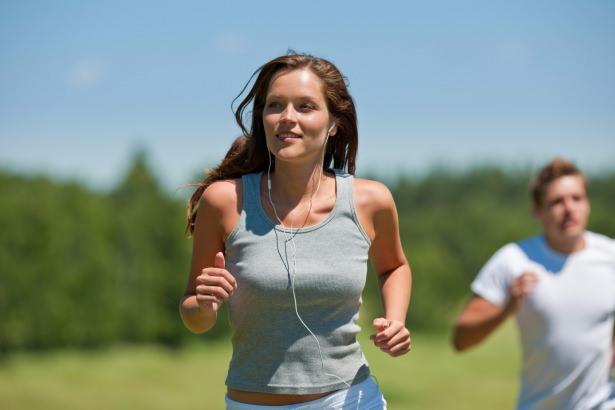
[(566, 245)]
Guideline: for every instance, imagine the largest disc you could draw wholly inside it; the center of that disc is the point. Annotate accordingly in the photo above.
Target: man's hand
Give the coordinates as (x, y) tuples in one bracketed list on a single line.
[(522, 286)]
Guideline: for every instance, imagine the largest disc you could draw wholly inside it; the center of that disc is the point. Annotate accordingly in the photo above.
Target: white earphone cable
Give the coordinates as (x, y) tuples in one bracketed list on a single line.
[(291, 238)]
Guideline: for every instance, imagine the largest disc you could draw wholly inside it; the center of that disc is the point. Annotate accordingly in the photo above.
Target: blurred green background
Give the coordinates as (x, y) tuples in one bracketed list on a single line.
[(90, 283), (93, 257)]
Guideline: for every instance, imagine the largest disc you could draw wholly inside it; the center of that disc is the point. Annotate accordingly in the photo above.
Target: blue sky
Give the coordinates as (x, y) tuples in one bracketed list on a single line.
[(84, 83)]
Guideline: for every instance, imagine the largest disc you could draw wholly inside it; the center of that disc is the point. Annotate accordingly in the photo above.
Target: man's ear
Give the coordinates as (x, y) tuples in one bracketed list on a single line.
[(536, 210)]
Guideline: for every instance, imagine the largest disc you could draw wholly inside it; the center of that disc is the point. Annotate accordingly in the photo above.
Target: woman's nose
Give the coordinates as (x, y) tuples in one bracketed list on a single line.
[(288, 114)]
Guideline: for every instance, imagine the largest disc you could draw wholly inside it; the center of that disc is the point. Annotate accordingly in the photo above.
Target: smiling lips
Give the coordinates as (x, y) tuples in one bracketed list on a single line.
[(287, 136)]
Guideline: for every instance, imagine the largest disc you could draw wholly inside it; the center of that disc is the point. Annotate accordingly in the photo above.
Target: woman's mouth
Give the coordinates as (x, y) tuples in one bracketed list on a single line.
[(287, 136)]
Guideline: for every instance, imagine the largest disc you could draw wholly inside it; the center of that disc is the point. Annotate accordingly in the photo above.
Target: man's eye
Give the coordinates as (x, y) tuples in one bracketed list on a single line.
[(553, 202)]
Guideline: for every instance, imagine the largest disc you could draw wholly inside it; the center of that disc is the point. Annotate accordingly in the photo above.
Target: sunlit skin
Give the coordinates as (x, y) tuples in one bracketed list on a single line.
[(563, 213), (297, 122), (296, 118)]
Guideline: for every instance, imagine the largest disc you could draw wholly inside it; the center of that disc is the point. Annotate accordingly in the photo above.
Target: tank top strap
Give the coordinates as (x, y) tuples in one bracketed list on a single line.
[(251, 191), (345, 200)]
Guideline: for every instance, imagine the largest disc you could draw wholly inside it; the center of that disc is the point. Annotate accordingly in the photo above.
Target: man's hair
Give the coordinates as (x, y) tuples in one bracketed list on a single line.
[(556, 168)]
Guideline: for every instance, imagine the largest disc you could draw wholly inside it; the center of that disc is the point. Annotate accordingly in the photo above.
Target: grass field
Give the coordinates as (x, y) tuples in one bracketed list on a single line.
[(152, 378)]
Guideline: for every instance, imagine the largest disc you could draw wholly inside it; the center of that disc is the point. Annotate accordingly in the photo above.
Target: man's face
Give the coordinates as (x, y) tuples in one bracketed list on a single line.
[(564, 209)]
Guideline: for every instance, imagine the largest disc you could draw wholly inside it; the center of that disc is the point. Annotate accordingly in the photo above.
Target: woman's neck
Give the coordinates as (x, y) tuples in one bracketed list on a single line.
[(293, 184)]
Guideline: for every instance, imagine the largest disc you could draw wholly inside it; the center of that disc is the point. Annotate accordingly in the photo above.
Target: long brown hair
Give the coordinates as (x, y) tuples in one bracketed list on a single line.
[(249, 152)]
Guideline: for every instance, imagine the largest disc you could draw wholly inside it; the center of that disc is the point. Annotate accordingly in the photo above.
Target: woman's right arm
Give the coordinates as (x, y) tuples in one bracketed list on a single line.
[(209, 283)]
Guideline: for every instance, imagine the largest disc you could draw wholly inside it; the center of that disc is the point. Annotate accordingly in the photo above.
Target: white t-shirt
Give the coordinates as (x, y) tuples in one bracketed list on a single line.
[(566, 324)]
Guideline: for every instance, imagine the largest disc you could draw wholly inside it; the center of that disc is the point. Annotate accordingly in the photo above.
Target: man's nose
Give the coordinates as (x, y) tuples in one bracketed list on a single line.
[(569, 205)]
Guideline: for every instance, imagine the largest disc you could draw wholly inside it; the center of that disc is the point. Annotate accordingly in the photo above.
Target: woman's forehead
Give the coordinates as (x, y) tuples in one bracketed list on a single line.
[(301, 81)]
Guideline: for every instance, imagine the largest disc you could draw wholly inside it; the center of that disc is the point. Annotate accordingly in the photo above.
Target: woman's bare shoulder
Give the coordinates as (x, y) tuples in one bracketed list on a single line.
[(372, 195), (222, 196)]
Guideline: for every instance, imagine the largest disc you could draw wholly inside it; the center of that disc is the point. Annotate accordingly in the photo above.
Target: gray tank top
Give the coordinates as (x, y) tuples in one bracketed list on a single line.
[(272, 350)]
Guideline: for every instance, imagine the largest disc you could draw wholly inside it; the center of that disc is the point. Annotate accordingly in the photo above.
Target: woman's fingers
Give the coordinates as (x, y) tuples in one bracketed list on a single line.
[(400, 349), (217, 291), (401, 336), (217, 277), (208, 300), (215, 284), (394, 338)]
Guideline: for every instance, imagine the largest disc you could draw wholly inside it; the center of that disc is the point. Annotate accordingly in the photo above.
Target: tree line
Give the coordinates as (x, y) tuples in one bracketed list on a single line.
[(83, 268)]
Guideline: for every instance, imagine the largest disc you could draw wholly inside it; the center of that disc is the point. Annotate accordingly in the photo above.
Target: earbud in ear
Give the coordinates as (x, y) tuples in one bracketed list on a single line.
[(332, 126)]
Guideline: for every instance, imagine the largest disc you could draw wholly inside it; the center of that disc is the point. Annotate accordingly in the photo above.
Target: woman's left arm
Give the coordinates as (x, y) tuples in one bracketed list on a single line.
[(378, 216)]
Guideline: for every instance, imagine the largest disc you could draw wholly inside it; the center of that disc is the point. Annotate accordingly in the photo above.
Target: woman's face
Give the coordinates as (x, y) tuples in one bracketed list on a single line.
[(296, 118)]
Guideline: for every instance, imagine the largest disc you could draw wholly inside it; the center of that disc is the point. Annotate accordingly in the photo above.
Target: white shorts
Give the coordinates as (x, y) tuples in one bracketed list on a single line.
[(363, 396), (609, 403)]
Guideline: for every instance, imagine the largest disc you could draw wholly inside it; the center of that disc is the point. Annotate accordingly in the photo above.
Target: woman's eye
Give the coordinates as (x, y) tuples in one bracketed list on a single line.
[(274, 106)]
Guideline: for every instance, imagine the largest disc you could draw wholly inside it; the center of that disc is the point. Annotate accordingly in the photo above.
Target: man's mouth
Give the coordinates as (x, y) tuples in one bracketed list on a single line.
[(569, 223)]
